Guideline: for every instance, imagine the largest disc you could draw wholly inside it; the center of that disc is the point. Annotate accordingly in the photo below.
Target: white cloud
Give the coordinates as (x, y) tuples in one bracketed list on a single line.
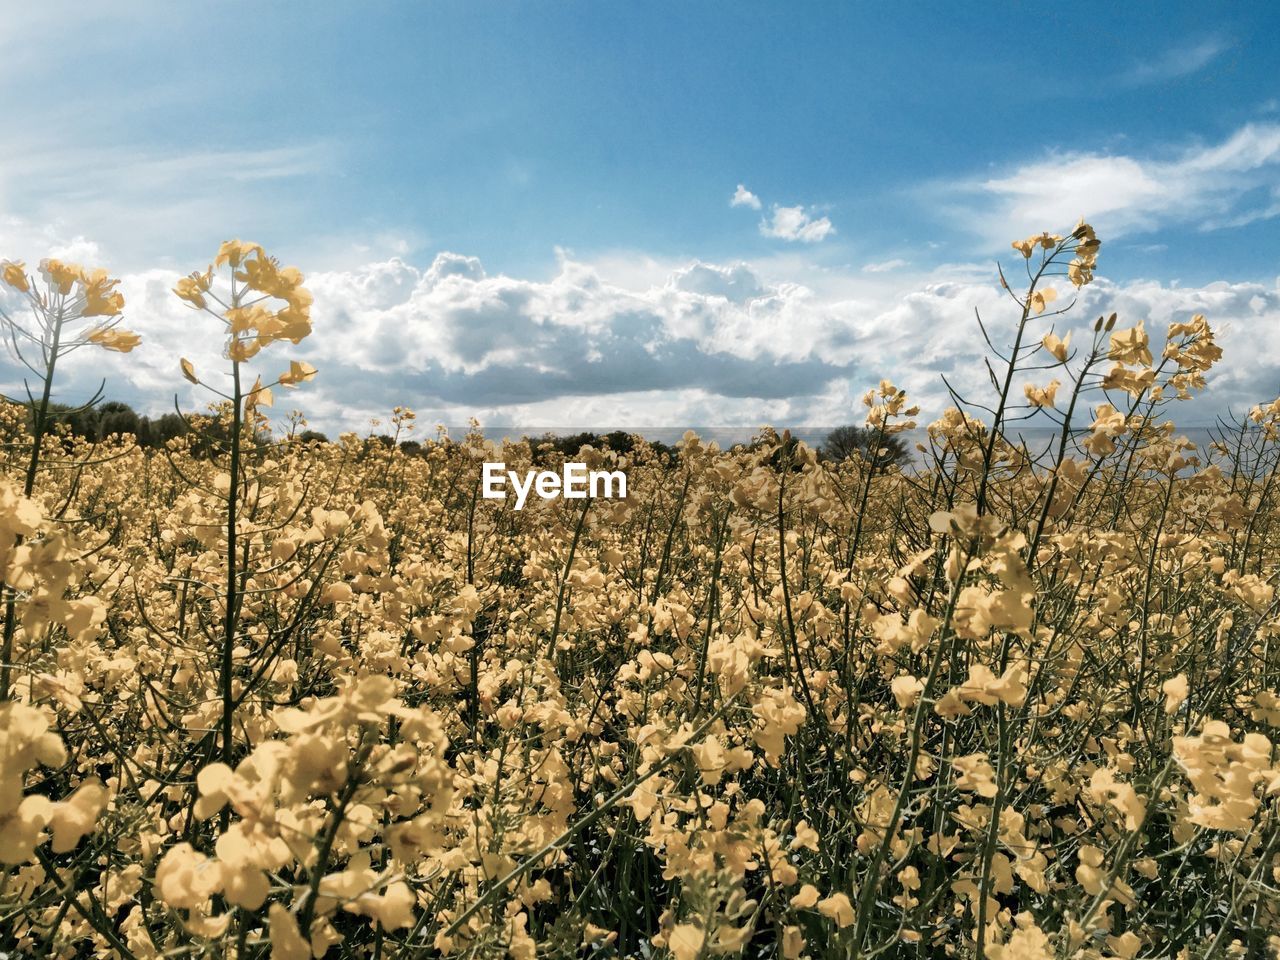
[(78, 249), (1178, 62), (737, 284), (795, 223), (785, 223), (885, 266), (736, 344), (134, 195), (1208, 186), (742, 197)]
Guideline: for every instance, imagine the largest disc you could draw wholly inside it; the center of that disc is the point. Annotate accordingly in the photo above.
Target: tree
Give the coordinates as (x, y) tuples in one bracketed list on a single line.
[(853, 440), (95, 421), (163, 429), (547, 446), (115, 417), (78, 421)]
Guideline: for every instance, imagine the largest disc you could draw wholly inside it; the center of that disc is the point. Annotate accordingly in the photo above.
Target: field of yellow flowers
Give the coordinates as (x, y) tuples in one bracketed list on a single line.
[(293, 700)]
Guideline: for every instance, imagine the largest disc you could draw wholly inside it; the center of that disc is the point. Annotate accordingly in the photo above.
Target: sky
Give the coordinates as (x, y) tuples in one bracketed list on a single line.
[(605, 214)]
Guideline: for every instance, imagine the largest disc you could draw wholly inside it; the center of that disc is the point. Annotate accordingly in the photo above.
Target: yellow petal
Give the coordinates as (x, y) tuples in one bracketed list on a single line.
[(685, 941)]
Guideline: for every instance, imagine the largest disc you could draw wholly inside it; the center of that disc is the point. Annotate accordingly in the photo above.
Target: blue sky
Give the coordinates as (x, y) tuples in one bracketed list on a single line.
[(578, 159)]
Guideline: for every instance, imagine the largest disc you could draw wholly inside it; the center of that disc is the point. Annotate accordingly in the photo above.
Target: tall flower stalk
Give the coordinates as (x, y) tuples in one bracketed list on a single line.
[(261, 303), (72, 307)]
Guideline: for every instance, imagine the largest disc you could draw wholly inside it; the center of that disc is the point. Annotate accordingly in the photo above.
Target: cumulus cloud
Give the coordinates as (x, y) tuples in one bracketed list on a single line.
[(737, 284), (742, 197), (930, 332), (793, 224), (711, 344), (1209, 186), (796, 223)]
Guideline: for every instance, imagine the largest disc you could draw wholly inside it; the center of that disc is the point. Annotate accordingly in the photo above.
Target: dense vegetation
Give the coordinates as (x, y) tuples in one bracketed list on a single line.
[(302, 699)]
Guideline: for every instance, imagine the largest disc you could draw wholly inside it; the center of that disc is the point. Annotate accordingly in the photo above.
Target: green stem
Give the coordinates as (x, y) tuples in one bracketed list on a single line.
[(40, 418), (229, 624)]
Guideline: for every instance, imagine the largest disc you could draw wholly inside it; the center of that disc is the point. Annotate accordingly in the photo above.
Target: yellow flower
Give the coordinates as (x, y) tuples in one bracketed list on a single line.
[(806, 897), (906, 690), (299, 372), (838, 908), (1042, 396), (976, 774), (193, 288), (114, 338), (1120, 377), (60, 276), (76, 816), (1131, 346), (1080, 270), (258, 396), (186, 879), (1108, 423), (244, 319), (235, 252), (1042, 298), (292, 324), (685, 942), (393, 908), (254, 325), (806, 837), (22, 829), (1028, 942), (15, 275), (1089, 872), (1104, 787), (286, 940), (1028, 246), (241, 350), (265, 274), (101, 300)]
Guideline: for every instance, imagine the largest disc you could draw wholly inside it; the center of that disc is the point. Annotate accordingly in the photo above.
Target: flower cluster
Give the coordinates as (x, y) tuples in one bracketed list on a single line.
[(71, 293), (255, 279)]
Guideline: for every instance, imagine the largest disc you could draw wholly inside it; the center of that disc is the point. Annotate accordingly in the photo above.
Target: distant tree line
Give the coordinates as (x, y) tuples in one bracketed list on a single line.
[(840, 444), (97, 422), (549, 445)]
